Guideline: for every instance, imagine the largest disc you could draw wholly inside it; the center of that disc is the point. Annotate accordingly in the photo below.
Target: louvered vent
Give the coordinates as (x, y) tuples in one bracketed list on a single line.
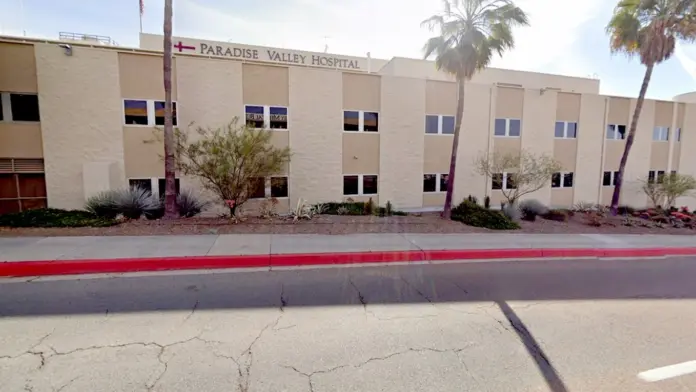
[(8, 165)]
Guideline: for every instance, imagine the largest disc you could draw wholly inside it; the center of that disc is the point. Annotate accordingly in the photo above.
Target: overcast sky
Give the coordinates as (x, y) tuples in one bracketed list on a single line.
[(565, 37)]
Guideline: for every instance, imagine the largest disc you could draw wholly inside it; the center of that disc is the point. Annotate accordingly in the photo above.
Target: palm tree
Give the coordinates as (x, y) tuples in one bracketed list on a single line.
[(470, 32), (648, 29), (170, 208)]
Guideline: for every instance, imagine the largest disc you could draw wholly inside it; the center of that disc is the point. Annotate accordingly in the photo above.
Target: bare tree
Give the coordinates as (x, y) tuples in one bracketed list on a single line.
[(170, 207), (664, 190), (525, 172)]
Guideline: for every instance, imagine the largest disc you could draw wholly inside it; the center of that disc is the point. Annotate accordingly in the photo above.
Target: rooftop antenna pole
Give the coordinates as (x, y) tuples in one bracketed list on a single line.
[(21, 15), (326, 44)]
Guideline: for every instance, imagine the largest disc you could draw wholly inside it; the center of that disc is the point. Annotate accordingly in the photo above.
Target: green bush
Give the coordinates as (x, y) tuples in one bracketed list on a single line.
[(474, 215), (531, 209), (52, 217), (190, 204), (103, 205), (350, 208), (556, 215)]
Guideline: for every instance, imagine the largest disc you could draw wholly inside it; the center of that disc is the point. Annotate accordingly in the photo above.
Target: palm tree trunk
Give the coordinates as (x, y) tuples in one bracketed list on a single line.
[(618, 181), (169, 162), (447, 211)]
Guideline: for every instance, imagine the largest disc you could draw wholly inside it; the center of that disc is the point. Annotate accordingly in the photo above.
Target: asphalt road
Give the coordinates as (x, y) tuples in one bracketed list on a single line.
[(582, 325)]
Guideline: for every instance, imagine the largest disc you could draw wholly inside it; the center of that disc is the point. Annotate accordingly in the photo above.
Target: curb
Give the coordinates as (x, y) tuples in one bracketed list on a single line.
[(98, 266)]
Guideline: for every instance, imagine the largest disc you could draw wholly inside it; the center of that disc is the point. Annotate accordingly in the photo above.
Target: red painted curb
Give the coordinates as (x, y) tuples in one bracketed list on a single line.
[(97, 266)]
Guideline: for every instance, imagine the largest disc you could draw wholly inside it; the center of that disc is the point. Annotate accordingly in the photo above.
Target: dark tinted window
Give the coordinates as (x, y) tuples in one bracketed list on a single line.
[(510, 181), (162, 183), (351, 121), (431, 124), (25, 107), (613, 180), (568, 180), (448, 125), (254, 116), (515, 127), (135, 112), (371, 123), (443, 182), (556, 180), (279, 117), (350, 185), (606, 180), (279, 187), (369, 185), (143, 183), (159, 113), (429, 182), (497, 181), (257, 189), (621, 129)]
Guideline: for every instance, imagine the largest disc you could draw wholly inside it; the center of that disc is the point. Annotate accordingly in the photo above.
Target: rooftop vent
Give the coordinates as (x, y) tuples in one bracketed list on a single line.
[(87, 38)]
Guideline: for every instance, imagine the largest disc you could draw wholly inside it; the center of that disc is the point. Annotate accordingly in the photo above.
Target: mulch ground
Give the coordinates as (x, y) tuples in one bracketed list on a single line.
[(333, 224)]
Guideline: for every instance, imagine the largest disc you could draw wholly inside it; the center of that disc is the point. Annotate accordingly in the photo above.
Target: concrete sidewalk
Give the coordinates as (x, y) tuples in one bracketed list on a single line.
[(118, 247)]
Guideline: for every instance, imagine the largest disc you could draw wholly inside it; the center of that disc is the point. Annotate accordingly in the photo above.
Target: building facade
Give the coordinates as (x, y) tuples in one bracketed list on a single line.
[(78, 118)]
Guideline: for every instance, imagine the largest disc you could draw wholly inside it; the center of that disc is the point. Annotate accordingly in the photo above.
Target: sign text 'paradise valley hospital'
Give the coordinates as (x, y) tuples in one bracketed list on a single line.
[(254, 53)]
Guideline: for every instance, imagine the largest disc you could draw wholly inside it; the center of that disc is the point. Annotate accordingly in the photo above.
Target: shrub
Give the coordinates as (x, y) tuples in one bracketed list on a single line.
[(369, 207), (388, 209), (556, 215), (133, 202), (103, 205), (399, 213), (349, 208), (474, 215), (625, 210), (52, 217), (382, 211), (583, 207), (487, 202), (342, 211), (512, 212), (155, 210), (472, 199), (531, 208), (594, 219), (190, 204)]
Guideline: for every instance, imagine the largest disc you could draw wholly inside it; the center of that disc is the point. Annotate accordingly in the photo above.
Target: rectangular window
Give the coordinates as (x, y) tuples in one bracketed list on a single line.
[(278, 117), (369, 184), (135, 112), (351, 121), (607, 179), (429, 183), (162, 183), (432, 124), (22, 185), (444, 180), (279, 187), (159, 113), (448, 125), (658, 175), (567, 180), (566, 130), (661, 134), (507, 127), (350, 185), (254, 116), (556, 180), (616, 132), (257, 188), (142, 183), (678, 134), (370, 122), (25, 107), (503, 181)]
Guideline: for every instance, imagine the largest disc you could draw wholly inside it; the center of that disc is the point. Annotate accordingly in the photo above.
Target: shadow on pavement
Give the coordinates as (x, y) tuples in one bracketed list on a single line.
[(452, 282)]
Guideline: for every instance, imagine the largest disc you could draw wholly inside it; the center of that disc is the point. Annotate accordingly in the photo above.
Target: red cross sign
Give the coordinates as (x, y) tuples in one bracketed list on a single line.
[(183, 47)]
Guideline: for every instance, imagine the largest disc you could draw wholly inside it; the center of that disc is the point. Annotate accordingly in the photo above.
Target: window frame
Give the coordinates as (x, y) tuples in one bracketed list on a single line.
[(175, 111), (361, 121), (562, 182), (659, 132), (267, 116), (438, 182), (612, 178), (507, 127), (616, 132), (267, 188), (504, 183), (656, 176), (151, 114), (565, 130), (440, 124), (6, 107), (361, 179)]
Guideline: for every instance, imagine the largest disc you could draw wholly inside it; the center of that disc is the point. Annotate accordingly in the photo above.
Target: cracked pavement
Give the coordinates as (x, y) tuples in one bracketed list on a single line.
[(583, 325)]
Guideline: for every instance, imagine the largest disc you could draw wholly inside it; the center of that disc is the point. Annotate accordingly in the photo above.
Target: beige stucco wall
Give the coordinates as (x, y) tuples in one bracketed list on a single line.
[(687, 162), (89, 80), (659, 156), (537, 135), (676, 155), (619, 111), (20, 140), (402, 141), (435, 199), (475, 140), (588, 166), (361, 92), (568, 107), (264, 84), (440, 97), (509, 103), (507, 145), (638, 163), (142, 75), (315, 135), (143, 152), (17, 68), (361, 153), (613, 149), (562, 197), (565, 151), (663, 114), (437, 153)]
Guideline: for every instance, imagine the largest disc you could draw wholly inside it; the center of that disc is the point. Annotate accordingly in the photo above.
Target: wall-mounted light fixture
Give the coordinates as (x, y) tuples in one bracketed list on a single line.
[(67, 48)]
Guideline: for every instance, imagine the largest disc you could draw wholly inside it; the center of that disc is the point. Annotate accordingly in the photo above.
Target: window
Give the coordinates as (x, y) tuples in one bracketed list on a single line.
[(360, 184), (257, 188), (24, 107), (278, 117), (162, 183), (254, 116), (609, 178), (661, 134), (279, 187), (143, 183), (135, 112), (434, 183), (562, 180), (507, 127), (159, 113), (22, 185), (437, 124), (503, 181), (616, 132), (678, 134), (360, 121), (656, 174), (566, 130)]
